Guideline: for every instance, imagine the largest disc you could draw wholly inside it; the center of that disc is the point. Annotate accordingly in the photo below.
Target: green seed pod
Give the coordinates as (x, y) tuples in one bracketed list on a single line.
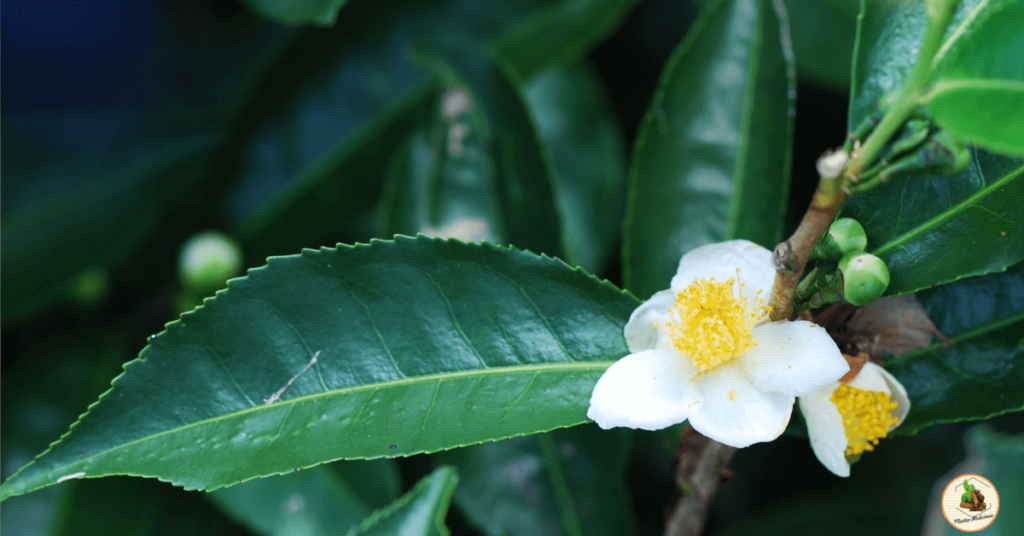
[(865, 277), (939, 155), (843, 236), (207, 260)]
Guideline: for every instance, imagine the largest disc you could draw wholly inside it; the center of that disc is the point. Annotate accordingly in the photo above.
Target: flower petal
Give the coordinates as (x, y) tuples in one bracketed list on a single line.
[(650, 390), (735, 412), (870, 378), (720, 261), (793, 357), (825, 428), (896, 392), (640, 331)]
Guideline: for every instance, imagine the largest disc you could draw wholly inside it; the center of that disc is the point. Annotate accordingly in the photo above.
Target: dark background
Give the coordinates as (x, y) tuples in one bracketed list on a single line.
[(63, 57)]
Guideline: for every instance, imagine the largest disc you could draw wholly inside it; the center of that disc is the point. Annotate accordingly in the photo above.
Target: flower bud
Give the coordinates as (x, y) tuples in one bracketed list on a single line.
[(941, 154), (208, 259), (865, 277), (913, 133), (843, 236)]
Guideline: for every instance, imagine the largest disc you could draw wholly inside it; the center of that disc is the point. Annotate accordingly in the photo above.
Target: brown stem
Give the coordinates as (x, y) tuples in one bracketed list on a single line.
[(790, 257), (703, 465)]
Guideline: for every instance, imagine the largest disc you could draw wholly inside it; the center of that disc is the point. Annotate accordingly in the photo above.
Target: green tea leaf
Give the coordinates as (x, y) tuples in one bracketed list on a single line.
[(357, 352), (321, 500), (823, 33), (987, 113), (574, 116), (712, 159), (980, 93), (525, 175), (136, 171), (420, 512), (317, 137), (931, 230), (561, 33), (562, 482), (322, 12), (978, 376)]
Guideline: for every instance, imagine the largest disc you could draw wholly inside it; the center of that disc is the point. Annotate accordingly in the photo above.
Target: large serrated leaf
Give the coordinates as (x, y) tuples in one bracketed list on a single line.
[(980, 374), (389, 349), (420, 512), (713, 156), (562, 482), (932, 230)]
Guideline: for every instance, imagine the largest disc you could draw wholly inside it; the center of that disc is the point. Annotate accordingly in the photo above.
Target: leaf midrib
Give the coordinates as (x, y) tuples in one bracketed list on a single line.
[(554, 367), (967, 335), (947, 214), (959, 31)]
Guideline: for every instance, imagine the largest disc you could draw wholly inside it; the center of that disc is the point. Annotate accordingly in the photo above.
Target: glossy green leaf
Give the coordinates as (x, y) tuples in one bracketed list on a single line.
[(987, 113), (932, 230), (318, 501), (319, 134), (823, 33), (390, 349), (712, 159), (980, 95), (574, 116), (442, 181), (562, 482), (322, 12), (985, 318), (420, 512), (53, 229), (35, 411)]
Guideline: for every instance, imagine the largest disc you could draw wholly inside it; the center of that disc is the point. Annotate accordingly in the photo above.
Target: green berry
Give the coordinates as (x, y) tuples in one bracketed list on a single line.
[(865, 277), (207, 260), (843, 236)]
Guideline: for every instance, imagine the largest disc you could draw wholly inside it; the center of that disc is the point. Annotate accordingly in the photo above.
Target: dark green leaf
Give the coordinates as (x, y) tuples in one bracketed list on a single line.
[(574, 116), (322, 12), (93, 204), (979, 376), (321, 501), (823, 34), (409, 337), (418, 513), (560, 33), (321, 131), (713, 156), (562, 482), (931, 230), (41, 400)]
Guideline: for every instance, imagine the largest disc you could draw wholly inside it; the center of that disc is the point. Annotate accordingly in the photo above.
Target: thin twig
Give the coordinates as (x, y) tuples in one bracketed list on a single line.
[(703, 466), (791, 256)]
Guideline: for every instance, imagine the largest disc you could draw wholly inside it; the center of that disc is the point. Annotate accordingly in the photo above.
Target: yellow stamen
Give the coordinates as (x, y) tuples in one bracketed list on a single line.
[(867, 417), (711, 324)]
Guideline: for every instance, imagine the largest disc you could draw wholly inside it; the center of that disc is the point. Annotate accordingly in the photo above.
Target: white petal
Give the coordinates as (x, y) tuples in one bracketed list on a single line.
[(793, 357), (721, 260), (825, 428), (737, 413), (896, 392), (640, 331), (870, 378), (649, 390)]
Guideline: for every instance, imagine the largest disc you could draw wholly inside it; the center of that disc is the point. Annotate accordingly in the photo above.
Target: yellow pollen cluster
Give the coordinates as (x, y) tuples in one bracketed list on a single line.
[(867, 417), (711, 324)]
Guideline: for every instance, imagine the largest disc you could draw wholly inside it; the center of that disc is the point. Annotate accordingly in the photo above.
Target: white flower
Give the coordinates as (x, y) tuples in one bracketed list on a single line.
[(849, 418), (704, 351)]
